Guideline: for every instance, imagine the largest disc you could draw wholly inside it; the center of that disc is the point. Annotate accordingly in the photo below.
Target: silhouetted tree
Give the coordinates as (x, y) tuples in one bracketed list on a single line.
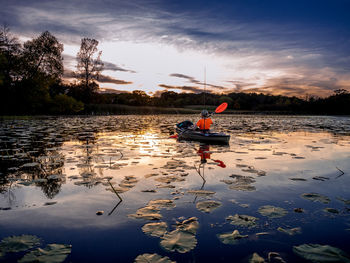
[(89, 64), (9, 52), (43, 55)]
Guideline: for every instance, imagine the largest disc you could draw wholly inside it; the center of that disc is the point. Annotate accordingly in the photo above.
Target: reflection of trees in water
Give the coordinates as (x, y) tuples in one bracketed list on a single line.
[(90, 156), (51, 188), (7, 191), (30, 153)]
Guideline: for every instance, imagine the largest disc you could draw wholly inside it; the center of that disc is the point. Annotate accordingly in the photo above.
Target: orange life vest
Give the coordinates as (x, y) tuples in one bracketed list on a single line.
[(204, 124)]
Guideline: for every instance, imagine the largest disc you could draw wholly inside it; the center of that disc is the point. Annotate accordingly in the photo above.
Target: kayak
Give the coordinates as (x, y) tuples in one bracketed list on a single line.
[(185, 132)]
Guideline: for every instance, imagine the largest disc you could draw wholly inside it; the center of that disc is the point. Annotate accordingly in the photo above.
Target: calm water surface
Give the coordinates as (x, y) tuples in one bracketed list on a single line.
[(57, 173)]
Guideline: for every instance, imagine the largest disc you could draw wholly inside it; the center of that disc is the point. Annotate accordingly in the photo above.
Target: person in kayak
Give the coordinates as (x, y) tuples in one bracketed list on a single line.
[(204, 123)]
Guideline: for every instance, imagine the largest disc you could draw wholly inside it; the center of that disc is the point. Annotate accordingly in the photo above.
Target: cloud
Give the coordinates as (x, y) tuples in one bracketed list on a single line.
[(178, 75), (182, 88), (114, 67), (194, 81), (112, 91), (68, 74), (71, 61), (300, 86), (240, 85), (108, 79), (281, 36)]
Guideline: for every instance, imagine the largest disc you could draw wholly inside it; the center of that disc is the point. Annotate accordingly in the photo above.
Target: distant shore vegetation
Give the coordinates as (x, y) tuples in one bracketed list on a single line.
[(31, 83)]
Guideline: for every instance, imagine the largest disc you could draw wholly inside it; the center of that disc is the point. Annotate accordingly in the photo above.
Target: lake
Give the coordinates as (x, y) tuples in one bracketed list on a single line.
[(118, 189)]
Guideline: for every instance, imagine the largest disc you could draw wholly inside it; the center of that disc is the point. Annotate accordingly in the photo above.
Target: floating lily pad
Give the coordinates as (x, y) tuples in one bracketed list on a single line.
[(152, 258), (243, 187), (256, 259), (298, 210), (155, 229), (179, 241), (231, 238), (18, 243), (208, 206), (290, 231), (189, 225), (274, 257), (147, 212), (272, 211), (162, 203), (242, 220), (50, 203), (297, 179), (242, 183), (345, 201), (30, 165), (53, 253), (200, 192), (316, 197), (320, 178), (149, 191), (321, 253), (331, 210), (169, 179)]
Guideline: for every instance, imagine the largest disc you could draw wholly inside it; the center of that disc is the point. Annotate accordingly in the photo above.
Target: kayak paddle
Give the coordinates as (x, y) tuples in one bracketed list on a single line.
[(221, 108)]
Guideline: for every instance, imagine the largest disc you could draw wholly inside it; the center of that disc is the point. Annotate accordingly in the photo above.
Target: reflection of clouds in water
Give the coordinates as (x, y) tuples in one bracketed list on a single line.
[(136, 154)]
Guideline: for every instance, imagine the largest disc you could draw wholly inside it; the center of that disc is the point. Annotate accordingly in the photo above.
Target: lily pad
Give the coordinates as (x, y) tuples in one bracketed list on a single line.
[(19, 243), (316, 197), (147, 212), (272, 211), (231, 238), (290, 231), (321, 253), (162, 203), (200, 192), (345, 201), (53, 253), (189, 225), (274, 257), (155, 229), (152, 258), (242, 220), (208, 206), (179, 241), (243, 187), (256, 259), (331, 210)]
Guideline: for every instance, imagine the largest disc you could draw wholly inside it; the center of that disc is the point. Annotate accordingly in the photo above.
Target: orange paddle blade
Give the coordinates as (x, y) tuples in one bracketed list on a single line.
[(175, 136), (220, 163), (221, 107)]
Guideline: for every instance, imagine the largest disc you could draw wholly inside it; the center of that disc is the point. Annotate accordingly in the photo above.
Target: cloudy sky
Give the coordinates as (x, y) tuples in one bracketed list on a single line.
[(283, 47)]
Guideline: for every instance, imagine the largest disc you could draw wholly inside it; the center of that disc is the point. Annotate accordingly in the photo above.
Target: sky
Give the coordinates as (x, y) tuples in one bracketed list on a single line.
[(281, 47)]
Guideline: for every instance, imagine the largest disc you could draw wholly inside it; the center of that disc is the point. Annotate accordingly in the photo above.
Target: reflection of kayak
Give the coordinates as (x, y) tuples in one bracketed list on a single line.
[(186, 133)]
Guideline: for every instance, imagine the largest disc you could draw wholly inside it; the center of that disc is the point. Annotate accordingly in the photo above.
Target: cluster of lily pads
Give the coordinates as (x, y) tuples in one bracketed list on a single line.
[(56, 151), (52, 253)]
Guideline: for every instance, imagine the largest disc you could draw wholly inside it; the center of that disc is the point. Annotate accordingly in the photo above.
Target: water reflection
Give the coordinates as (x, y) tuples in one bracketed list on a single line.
[(122, 165)]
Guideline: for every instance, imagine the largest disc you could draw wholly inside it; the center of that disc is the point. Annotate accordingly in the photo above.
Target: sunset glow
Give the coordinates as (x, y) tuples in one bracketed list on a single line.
[(151, 46)]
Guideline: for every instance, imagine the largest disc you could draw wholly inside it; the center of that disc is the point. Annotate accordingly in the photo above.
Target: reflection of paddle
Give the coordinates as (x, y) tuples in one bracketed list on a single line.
[(220, 163)]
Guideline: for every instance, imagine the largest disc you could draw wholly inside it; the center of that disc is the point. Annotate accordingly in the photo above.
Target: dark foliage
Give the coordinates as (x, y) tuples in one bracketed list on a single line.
[(30, 77)]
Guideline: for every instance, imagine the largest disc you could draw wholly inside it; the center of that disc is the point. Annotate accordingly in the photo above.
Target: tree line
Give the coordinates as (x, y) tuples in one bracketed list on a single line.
[(338, 103), (31, 82)]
